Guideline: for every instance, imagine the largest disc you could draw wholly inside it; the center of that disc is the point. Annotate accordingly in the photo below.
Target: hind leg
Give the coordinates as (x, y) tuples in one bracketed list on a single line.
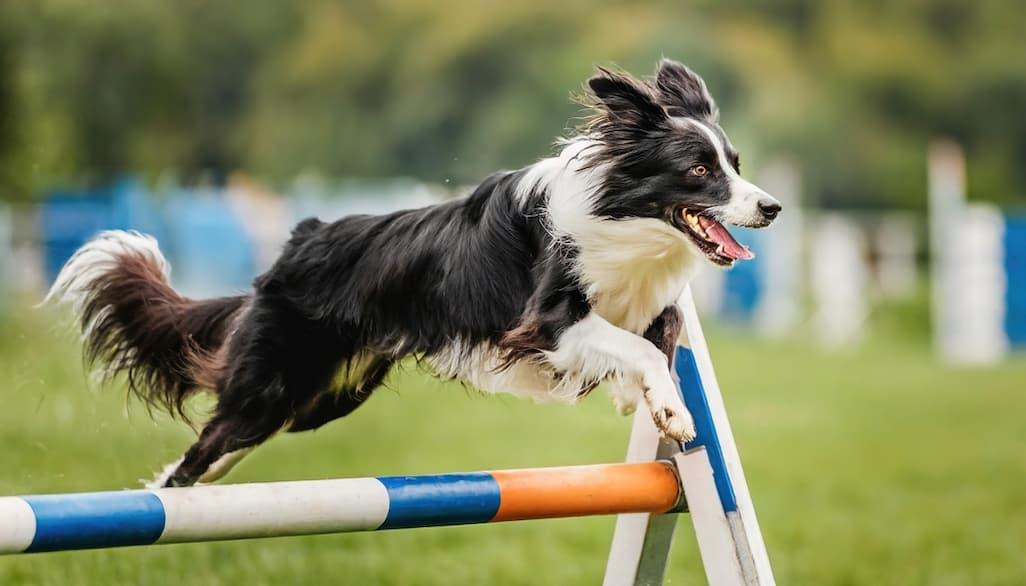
[(279, 365), (221, 444), (224, 441), (215, 472), (329, 406), (325, 408), (234, 432), (254, 404)]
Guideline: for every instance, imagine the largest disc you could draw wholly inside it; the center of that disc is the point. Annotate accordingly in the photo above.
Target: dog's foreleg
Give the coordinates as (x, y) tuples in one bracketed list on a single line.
[(663, 332), (596, 349)]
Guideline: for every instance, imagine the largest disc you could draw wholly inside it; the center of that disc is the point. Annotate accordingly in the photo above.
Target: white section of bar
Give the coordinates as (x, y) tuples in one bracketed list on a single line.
[(715, 539), (204, 513), (17, 525), (744, 525)]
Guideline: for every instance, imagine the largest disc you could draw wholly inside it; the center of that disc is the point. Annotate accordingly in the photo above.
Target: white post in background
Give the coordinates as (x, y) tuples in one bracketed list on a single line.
[(967, 272), (839, 275), (779, 310), (6, 252), (264, 216), (975, 281), (707, 286), (895, 242)]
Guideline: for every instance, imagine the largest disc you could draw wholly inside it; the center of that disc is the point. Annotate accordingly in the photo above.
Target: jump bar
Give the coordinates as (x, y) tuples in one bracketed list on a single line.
[(90, 520)]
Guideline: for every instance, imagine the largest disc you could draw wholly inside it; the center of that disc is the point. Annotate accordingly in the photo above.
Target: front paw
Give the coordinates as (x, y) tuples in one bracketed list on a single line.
[(674, 424)]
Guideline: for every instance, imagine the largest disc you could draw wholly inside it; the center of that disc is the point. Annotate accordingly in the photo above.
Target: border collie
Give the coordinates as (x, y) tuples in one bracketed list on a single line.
[(543, 283)]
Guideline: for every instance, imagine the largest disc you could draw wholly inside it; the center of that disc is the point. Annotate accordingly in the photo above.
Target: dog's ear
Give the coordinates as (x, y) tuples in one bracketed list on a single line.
[(625, 99), (683, 92)]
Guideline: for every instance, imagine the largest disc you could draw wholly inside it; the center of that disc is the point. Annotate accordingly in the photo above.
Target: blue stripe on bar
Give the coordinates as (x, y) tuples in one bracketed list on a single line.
[(95, 519), (442, 499), (694, 397)]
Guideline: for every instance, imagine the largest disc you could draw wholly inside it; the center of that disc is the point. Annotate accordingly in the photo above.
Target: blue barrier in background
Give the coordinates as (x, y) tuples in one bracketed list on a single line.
[(743, 284), (197, 231), (68, 218), (1015, 273), (211, 252), (212, 248)]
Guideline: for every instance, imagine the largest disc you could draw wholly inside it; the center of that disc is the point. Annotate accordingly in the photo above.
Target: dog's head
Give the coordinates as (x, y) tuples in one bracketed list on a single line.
[(665, 156)]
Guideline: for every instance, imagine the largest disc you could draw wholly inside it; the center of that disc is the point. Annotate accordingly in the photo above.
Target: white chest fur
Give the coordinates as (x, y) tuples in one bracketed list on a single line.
[(633, 269)]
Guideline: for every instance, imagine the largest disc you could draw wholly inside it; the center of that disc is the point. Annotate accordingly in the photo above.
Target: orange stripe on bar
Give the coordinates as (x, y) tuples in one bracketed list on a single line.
[(575, 491)]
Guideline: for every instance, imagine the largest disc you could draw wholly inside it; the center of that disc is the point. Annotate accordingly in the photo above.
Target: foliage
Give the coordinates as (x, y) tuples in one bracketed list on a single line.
[(453, 90)]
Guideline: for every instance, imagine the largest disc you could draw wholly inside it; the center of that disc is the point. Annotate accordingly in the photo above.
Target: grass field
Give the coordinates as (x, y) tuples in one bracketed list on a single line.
[(875, 467)]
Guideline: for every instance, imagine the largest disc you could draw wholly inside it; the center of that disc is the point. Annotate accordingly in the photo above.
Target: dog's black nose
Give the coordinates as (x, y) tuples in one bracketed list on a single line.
[(769, 208)]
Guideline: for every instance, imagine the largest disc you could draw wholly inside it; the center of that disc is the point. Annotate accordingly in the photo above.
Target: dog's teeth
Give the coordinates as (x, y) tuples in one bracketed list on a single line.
[(692, 221), (696, 226)]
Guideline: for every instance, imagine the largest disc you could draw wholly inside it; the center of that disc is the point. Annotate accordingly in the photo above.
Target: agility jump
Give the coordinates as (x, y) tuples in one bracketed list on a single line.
[(703, 477), (208, 513)]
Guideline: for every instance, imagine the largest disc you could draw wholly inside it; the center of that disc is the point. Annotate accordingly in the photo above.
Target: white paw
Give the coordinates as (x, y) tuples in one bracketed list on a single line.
[(674, 424)]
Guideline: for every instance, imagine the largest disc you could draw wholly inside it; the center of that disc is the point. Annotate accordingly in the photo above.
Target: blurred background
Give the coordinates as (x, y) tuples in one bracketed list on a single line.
[(871, 356)]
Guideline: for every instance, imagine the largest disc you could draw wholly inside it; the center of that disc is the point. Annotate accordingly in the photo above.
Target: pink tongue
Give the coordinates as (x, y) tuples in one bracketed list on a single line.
[(728, 246)]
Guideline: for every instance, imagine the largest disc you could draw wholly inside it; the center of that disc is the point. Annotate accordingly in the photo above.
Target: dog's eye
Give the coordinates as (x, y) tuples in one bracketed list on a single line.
[(699, 170)]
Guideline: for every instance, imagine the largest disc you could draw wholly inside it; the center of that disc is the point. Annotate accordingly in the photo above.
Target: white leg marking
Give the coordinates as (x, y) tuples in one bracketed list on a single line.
[(162, 476), (596, 349), (217, 470), (223, 465)]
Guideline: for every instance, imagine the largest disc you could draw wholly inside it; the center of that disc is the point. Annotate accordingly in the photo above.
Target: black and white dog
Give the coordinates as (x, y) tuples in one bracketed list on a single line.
[(543, 283)]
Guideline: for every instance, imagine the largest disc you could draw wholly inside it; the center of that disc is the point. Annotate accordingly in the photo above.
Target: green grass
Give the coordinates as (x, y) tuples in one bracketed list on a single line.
[(873, 467)]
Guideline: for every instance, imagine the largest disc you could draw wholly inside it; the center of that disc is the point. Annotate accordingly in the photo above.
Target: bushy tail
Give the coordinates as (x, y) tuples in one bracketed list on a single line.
[(133, 322)]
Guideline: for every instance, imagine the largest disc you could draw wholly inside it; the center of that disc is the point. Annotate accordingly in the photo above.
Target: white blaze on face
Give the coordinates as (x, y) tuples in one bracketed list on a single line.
[(743, 207)]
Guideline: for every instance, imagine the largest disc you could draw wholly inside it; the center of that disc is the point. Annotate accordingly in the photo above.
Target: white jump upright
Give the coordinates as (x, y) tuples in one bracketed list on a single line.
[(729, 539)]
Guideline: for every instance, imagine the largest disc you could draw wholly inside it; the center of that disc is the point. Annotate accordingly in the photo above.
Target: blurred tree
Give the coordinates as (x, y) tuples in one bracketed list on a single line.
[(453, 90), (8, 128)]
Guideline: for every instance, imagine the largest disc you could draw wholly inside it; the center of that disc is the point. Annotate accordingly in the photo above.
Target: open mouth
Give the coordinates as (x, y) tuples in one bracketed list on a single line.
[(711, 237)]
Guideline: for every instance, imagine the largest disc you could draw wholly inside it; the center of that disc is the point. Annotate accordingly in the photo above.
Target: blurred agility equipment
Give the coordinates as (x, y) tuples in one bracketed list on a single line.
[(657, 479), (978, 267), (6, 249)]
